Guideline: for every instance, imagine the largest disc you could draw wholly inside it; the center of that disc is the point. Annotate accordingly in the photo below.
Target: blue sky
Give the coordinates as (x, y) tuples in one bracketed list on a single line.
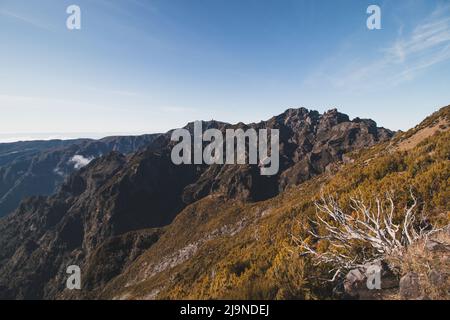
[(148, 66)]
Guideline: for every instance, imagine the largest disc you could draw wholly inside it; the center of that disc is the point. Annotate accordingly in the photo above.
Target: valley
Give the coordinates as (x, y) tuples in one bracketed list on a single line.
[(141, 227)]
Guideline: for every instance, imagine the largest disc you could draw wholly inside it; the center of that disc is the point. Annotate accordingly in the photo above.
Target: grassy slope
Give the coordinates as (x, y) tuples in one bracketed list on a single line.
[(218, 249)]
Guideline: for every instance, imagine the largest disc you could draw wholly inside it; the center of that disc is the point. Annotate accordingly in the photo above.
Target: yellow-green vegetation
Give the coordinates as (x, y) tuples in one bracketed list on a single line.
[(220, 249)]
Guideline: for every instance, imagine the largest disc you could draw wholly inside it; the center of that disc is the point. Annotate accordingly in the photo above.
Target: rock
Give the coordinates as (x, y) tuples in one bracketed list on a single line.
[(435, 246), (436, 278), (354, 283), (357, 283), (410, 286)]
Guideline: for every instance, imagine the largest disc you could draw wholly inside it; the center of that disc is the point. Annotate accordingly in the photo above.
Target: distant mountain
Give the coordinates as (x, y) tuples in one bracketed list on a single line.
[(15, 150), (33, 168), (112, 210)]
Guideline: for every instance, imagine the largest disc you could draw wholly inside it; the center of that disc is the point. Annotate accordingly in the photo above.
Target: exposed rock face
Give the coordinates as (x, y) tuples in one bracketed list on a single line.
[(310, 143), (318, 141), (95, 210)]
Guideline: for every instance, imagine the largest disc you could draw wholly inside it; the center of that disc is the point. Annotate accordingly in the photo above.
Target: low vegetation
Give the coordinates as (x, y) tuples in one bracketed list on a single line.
[(258, 258)]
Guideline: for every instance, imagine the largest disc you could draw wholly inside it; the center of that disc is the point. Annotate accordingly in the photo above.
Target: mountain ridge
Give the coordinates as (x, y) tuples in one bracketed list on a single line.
[(246, 251), (39, 167), (116, 194)]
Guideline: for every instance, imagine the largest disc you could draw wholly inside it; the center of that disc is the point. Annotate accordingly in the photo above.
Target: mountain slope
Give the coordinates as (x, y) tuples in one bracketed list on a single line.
[(39, 167), (246, 251), (119, 203)]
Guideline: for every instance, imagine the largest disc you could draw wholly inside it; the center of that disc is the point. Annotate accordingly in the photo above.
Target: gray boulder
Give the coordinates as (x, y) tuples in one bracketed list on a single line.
[(410, 286), (367, 281)]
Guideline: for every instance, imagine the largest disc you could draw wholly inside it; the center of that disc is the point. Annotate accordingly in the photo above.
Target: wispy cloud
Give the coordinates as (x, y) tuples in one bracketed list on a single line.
[(425, 46), (25, 19)]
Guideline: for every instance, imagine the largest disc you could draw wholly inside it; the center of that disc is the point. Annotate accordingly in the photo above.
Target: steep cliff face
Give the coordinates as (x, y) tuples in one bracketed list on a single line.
[(119, 205)]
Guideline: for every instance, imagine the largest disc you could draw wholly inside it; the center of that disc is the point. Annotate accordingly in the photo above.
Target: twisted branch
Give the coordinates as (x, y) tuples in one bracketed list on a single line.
[(373, 226)]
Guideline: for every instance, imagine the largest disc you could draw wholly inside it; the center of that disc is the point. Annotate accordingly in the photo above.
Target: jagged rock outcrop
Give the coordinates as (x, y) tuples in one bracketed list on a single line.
[(310, 144)]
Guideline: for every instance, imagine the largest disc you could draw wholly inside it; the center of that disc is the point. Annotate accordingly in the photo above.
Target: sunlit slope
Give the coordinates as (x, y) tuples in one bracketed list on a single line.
[(223, 249)]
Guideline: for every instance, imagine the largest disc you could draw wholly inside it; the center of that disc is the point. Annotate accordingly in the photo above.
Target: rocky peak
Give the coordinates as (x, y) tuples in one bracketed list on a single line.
[(333, 117), (212, 124)]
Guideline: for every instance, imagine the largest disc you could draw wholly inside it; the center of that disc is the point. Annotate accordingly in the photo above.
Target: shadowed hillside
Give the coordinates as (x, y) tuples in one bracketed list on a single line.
[(126, 222)]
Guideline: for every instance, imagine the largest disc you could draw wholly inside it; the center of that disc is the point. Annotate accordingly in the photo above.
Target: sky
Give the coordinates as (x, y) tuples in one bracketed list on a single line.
[(144, 66)]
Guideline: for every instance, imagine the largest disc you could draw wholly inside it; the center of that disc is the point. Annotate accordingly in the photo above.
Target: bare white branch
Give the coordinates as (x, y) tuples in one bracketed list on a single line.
[(373, 226)]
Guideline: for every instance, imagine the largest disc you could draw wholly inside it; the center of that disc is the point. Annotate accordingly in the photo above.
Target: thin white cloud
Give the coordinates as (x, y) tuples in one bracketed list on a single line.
[(410, 71), (25, 19), (427, 45), (427, 36)]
